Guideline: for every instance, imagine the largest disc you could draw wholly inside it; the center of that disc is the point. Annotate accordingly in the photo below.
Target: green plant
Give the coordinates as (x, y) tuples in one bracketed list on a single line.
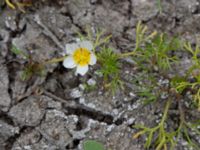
[(150, 97), (31, 68), (99, 38), (162, 139), (141, 38), (89, 88), (182, 83), (110, 68), (10, 4), (159, 5), (185, 130), (109, 61), (195, 58), (19, 52), (17, 4), (154, 49), (181, 86), (146, 84), (157, 52), (92, 145)]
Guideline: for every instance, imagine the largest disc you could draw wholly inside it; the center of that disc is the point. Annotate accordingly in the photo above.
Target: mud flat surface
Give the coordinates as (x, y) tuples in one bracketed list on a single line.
[(65, 114)]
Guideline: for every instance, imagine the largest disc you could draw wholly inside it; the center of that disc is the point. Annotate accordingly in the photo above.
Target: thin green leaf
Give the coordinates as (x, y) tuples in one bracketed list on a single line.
[(93, 145)]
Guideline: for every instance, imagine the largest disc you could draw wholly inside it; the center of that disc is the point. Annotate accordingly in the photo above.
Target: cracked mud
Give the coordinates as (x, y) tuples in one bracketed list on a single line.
[(63, 115)]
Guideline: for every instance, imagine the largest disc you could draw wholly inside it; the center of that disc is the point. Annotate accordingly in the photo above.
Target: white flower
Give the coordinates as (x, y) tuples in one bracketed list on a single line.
[(80, 55)]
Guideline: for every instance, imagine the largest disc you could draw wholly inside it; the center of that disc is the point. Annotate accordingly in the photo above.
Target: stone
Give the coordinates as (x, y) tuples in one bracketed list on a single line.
[(29, 112), (144, 9), (5, 99), (32, 140), (7, 131), (75, 93), (55, 128)]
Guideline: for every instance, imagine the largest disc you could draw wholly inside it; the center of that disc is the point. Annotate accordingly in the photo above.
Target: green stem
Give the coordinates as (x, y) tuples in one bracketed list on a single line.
[(129, 53), (165, 111), (54, 60), (10, 4), (159, 5)]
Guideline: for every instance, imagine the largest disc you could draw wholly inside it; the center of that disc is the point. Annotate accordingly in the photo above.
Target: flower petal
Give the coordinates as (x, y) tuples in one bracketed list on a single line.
[(93, 59), (82, 70), (69, 62), (70, 48), (86, 44)]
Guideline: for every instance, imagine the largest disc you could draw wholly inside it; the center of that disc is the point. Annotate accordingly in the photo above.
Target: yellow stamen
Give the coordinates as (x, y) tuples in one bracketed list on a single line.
[(81, 56)]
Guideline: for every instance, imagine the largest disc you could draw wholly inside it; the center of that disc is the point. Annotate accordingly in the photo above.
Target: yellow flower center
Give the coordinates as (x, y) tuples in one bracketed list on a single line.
[(81, 56)]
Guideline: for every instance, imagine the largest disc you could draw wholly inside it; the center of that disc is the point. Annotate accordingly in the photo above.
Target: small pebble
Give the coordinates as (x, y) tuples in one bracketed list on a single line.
[(131, 121), (76, 93), (132, 94), (91, 82)]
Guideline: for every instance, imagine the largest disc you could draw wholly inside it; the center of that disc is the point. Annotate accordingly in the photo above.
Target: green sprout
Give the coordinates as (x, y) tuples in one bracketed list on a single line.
[(180, 87), (195, 58), (147, 86), (31, 68), (19, 5), (163, 137), (89, 88), (19, 52), (141, 38), (159, 6), (99, 39), (185, 128), (149, 96), (184, 82), (157, 52), (110, 68), (160, 138), (154, 49), (10, 4)]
